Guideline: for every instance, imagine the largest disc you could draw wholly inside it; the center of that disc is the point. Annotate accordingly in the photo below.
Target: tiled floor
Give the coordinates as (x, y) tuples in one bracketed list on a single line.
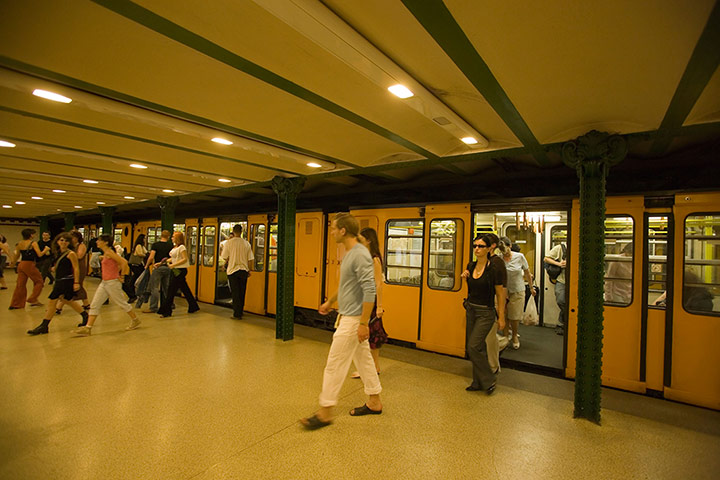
[(208, 397)]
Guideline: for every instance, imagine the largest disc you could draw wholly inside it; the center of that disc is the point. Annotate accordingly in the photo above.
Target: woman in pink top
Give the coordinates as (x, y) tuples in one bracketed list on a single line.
[(114, 268)]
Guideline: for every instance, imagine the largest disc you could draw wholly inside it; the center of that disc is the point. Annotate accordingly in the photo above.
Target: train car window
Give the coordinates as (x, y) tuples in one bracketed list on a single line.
[(701, 269), (179, 227), (192, 238), (441, 265), (619, 247), (657, 261), (208, 246), (153, 235), (117, 236), (273, 247), (257, 233), (558, 235), (403, 251)]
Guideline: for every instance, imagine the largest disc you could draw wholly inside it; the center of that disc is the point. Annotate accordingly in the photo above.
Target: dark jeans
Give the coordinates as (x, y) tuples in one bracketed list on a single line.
[(238, 286), (480, 320), (178, 283)]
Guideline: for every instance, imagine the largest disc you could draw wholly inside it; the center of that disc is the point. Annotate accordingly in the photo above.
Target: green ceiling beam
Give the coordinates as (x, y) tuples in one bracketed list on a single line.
[(437, 20), (700, 69), (165, 27), (28, 69)]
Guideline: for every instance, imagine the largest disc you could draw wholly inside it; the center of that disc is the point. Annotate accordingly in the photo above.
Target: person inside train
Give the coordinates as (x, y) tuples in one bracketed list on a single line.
[(368, 237), (355, 297), (4, 256), (239, 258), (28, 251), (67, 282), (178, 264), (160, 276), (80, 250), (618, 279), (518, 272), (114, 269), (484, 283), (556, 256)]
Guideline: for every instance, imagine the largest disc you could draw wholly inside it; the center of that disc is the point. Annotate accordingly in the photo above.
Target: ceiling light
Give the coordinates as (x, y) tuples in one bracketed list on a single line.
[(100, 203), (78, 206), (314, 165), (7, 206), (167, 190), (129, 198), (224, 180), (400, 91), (137, 165), (37, 198), (3, 143), (222, 141), (51, 96), (59, 191), (19, 203), (469, 140), (90, 181)]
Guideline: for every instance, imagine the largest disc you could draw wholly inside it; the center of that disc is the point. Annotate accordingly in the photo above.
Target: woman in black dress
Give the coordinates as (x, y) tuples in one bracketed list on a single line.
[(67, 282)]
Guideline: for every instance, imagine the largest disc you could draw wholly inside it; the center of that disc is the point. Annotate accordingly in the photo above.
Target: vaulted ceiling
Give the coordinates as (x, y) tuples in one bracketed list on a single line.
[(298, 82)]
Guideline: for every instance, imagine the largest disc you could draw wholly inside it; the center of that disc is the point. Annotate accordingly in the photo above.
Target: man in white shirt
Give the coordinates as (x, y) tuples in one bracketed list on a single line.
[(239, 259)]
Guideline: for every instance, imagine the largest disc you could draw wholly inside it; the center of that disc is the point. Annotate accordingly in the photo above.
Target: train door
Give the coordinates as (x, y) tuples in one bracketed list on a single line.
[(554, 233), (255, 293), (308, 259), (692, 374), (207, 266), (442, 320), (222, 287), (122, 235), (191, 239), (272, 252), (335, 252)]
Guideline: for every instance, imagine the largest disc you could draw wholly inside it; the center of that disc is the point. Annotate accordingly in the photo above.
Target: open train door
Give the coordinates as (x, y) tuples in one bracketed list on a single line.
[(207, 267), (442, 317), (692, 357), (257, 236), (191, 241)]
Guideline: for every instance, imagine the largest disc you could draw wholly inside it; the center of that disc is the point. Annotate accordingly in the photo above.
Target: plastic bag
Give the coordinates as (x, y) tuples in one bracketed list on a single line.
[(530, 317)]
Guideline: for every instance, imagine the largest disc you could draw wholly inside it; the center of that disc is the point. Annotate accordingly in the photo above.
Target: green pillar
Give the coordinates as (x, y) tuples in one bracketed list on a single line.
[(167, 212), (107, 219), (591, 156), (69, 221), (287, 190), (44, 225)]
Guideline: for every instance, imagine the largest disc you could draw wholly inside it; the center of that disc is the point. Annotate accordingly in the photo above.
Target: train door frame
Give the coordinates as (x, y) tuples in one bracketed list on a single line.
[(271, 276), (192, 274), (220, 269), (207, 274), (255, 297), (308, 292)]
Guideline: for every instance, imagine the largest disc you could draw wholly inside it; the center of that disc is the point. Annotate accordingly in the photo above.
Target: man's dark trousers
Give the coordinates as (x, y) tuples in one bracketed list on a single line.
[(238, 285)]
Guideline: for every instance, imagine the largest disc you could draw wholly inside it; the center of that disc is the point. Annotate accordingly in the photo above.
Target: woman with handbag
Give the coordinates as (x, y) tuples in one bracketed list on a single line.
[(179, 265), (517, 269)]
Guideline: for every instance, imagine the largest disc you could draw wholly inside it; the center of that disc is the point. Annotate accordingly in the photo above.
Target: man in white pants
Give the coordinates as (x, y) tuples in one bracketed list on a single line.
[(355, 296)]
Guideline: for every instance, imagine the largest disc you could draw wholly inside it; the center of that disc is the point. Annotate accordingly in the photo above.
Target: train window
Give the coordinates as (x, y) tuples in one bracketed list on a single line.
[(657, 261), (257, 233), (403, 254), (117, 236), (619, 235), (273, 247), (701, 279), (153, 235), (558, 235), (179, 227), (192, 238), (441, 265), (208, 246)]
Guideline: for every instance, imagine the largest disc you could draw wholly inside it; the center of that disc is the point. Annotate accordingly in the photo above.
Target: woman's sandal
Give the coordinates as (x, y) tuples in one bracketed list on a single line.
[(313, 423), (364, 410)]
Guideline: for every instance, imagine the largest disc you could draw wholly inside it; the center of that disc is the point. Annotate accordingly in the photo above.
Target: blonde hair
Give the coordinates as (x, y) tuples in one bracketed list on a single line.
[(348, 222)]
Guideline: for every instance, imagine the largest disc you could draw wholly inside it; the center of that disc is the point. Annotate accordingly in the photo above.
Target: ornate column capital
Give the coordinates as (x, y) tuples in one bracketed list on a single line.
[(287, 186), (594, 153)]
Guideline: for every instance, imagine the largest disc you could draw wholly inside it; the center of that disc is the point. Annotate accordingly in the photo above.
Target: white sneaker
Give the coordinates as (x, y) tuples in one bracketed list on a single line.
[(516, 344), (82, 331), (134, 323)]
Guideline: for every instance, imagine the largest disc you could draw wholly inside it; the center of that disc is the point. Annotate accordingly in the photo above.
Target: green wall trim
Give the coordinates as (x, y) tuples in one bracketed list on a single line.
[(33, 70), (171, 30), (437, 20), (700, 68)]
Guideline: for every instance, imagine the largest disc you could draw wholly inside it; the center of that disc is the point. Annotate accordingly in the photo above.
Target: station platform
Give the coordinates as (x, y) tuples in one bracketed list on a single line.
[(205, 396)]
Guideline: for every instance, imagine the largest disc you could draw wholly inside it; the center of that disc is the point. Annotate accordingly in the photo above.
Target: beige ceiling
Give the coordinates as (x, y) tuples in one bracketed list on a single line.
[(298, 81)]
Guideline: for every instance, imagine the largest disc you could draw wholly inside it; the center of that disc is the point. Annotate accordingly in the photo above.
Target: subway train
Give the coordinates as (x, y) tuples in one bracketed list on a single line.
[(662, 280)]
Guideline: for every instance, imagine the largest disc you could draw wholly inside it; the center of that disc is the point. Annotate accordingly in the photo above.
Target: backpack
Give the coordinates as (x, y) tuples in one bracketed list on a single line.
[(552, 270)]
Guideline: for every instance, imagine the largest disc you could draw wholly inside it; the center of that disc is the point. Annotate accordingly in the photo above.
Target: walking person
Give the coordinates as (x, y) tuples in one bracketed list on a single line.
[(114, 268), (160, 276), (78, 246), (137, 257), (239, 260), (556, 256), (4, 256), (484, 283), (29, 252), (67, 282), (178, 264), (517, 269), (369, 239), (46, 261), (355, 297)]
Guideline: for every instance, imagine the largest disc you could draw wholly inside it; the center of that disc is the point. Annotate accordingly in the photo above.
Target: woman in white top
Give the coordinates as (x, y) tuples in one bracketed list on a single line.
[(517, 268), (179, 265)]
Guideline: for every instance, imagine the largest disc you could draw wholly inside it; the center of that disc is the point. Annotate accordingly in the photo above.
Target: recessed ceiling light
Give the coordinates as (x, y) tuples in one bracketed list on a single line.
[(469, 140), (59, 209), (78, 206), (100, 203), (37, 198), (59, 191), (51, 96), (129, 198), (400, 91), (90, 181), (222, 141), (137, 165), (314, 165), (19, 203), (3, 143), (167, 190), (224, 180), (7, 206)]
